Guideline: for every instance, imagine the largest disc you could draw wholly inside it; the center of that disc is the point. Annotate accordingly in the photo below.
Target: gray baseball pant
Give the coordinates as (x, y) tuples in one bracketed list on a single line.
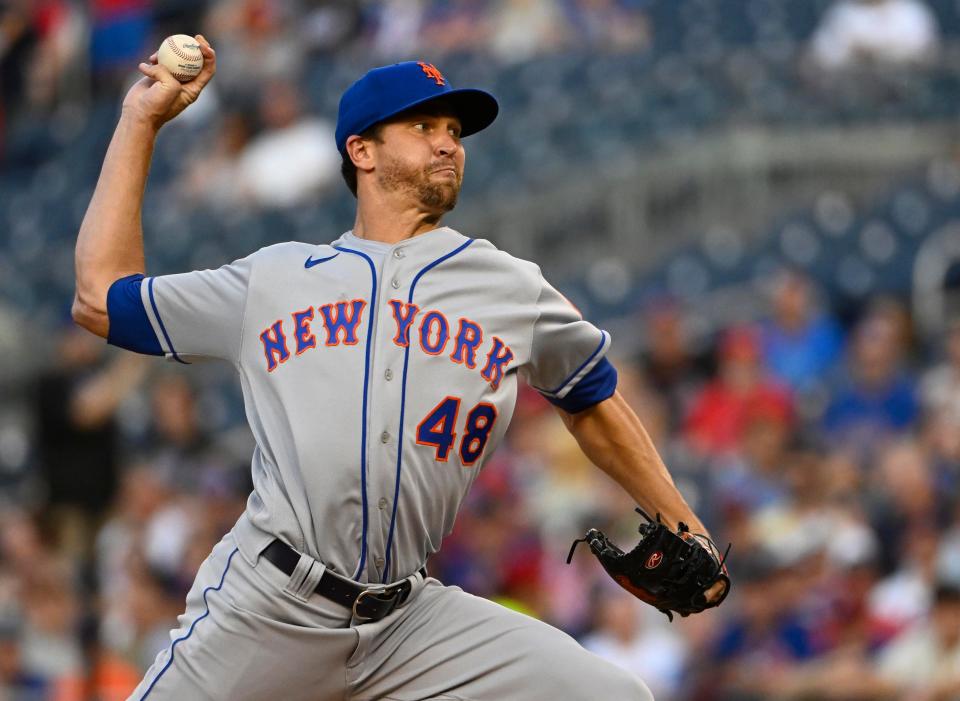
[(244, 637)]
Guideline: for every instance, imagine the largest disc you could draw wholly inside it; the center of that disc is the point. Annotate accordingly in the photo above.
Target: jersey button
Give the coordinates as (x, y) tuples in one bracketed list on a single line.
[(388, 373), (382, 503), (384, 437), (378, 562), (395, 283), (399, 253)]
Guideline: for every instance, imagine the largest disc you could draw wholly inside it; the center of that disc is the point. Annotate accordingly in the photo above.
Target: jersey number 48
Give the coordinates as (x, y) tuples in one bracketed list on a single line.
[(438, 430)]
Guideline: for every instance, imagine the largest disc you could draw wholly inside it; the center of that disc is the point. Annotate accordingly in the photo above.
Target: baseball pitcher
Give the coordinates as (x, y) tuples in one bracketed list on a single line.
[(379, 372)]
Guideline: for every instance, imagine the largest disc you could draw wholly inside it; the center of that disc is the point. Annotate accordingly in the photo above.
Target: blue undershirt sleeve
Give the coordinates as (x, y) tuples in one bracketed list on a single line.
[(129, 326), (597, 385)]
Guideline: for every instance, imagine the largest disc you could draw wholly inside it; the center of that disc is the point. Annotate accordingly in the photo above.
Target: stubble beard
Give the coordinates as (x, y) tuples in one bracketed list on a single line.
[(439, 197)]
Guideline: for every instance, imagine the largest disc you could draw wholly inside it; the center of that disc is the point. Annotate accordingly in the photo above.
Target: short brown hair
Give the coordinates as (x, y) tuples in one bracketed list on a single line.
[(347, 169)]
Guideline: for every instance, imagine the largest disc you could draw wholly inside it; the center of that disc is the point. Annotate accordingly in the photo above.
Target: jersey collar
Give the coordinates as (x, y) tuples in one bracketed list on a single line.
[(436, 241)]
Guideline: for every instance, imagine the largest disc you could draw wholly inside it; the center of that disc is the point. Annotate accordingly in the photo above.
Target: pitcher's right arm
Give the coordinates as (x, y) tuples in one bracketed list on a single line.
[(110, 242)]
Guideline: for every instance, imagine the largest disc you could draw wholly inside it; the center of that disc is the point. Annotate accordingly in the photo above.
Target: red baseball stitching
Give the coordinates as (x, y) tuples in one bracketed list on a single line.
[(176, 49)]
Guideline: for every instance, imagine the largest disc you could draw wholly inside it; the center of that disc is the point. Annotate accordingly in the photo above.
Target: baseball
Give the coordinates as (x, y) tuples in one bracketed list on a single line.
[(180, 54)]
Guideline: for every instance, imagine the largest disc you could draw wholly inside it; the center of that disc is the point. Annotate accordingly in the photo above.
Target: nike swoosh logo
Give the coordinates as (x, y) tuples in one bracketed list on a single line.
[(310, 262)]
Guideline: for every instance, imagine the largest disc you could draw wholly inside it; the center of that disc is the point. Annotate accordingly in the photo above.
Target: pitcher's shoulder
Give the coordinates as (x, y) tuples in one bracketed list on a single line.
[(503, 274), (291, 253), (486, 249)]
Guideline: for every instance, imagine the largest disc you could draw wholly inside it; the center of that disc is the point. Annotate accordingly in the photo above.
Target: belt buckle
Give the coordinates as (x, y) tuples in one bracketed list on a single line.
[(377, 591)]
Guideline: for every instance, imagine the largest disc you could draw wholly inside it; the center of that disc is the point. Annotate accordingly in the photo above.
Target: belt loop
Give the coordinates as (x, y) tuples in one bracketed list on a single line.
[(304, 578)]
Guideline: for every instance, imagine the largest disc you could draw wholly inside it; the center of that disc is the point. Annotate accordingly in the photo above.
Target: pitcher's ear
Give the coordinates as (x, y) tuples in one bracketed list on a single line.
[(359, 152)]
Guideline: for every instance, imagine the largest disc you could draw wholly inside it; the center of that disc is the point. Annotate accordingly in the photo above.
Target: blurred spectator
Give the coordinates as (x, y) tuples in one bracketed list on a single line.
[(257, 41), (801, 525), (626, 635), (398, 24), (893, 311), (107, 677), (151, 603), (295, 156), (143, 493), (865, 33), (41, 47), (77, 435), (766, 638), (329, 26), (904, 497), (753, 477), (51, 616), (674, 369), (522, 29), (609, 25), (457, 26), (940, 385), (177, 444), (924, 662), (921, 664), (56, 67), (39, 595), (741, 392), (941, 441), (210, 178), (121, 548), (17, 40), (146, 560), (948, 553), (178, 17), (800, 343), (848, 620), (16, 682), (875, 398), (904, 597), (120, 38)]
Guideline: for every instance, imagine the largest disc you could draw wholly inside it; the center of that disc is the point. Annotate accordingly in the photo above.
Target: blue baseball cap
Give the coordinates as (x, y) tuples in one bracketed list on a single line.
[(389, 90)]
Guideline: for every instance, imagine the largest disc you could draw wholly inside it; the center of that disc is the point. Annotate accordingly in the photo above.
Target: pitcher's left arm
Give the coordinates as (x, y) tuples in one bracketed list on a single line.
[(613, 438)]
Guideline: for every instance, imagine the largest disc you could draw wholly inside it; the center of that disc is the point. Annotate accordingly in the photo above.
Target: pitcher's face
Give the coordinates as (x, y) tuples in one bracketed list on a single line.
[(420, 154)]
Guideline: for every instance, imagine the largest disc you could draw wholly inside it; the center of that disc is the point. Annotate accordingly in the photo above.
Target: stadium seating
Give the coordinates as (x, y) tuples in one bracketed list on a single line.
[(706, 70)]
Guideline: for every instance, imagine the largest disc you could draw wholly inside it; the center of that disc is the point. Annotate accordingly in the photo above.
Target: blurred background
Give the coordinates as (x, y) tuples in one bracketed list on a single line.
[(760, 199)]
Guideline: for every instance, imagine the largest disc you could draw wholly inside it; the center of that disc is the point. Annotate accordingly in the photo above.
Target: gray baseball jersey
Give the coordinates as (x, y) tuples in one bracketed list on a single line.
[(377, 379)]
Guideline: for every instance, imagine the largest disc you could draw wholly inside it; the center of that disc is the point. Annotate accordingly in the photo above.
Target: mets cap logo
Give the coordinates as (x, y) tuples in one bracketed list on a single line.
[(432, 72), (653, 562)]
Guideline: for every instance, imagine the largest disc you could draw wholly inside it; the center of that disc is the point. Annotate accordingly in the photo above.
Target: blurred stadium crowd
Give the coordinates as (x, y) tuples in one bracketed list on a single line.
[(819, 431)]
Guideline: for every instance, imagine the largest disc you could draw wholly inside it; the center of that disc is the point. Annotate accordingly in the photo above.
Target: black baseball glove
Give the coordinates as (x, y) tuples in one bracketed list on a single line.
[(669, 570)]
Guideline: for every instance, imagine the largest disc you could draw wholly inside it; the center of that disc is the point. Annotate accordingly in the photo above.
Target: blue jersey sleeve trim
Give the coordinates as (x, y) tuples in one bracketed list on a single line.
[(129, 325), (156, 313), (585, 363), (597, 385)]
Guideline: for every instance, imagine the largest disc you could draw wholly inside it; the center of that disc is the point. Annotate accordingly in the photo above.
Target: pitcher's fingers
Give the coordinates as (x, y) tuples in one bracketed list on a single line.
[(209, 62), (153, 57), (205, 48), (208, 53), (159, 74), (716, 591)]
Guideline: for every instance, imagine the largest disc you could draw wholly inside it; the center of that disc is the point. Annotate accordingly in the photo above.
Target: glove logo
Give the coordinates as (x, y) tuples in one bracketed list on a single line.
[(653, 562)]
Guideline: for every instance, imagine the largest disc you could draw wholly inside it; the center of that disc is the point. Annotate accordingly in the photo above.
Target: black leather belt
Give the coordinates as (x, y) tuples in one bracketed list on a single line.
[(368, 602)]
